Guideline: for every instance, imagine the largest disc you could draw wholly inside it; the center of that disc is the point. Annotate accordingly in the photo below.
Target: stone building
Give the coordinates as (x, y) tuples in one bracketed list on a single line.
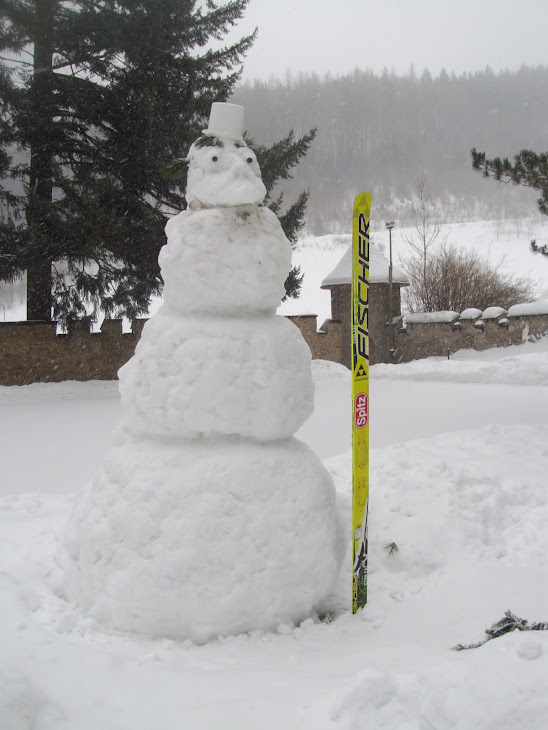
[(382, 313)]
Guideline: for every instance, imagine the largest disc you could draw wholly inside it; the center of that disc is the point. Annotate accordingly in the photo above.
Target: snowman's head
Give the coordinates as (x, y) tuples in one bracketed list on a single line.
[(223, 172)]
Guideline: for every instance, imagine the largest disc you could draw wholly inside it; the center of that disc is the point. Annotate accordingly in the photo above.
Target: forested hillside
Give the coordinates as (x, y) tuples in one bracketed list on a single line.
[(383, 133)]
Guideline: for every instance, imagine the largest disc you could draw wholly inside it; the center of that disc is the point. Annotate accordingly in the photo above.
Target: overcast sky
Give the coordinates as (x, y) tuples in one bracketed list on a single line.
[(340, 35)]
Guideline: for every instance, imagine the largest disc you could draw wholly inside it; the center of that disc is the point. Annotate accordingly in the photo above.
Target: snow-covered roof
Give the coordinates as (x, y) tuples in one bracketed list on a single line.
[(540, 307), (378, 271)]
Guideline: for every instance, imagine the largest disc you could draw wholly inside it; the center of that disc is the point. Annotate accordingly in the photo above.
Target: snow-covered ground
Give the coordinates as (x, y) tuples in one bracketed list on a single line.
[(458, 482)]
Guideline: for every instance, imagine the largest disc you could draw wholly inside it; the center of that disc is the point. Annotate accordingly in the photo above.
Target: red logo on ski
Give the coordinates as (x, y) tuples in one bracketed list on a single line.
[(361, 410)]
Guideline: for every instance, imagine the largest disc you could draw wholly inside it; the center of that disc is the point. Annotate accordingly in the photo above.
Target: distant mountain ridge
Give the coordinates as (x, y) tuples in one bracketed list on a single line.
[(382, 133)]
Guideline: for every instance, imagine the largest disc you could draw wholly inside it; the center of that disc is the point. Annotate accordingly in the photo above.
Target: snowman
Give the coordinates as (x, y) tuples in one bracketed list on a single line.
[(208, 517)]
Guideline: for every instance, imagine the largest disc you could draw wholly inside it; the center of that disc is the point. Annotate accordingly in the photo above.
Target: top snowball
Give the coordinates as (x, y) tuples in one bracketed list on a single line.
[(222, 170), (222, 173)]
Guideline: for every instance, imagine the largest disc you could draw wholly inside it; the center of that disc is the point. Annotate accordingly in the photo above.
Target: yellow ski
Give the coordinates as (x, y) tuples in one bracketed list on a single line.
[(360, 396)]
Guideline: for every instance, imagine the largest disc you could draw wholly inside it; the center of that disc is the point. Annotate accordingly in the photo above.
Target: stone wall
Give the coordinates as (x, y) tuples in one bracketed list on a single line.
[(426, 339), (32, 352), (325, 344)]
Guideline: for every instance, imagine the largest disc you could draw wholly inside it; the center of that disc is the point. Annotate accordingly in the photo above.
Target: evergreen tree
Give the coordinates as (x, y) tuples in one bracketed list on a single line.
[(276, 163), (528, 169), (156, 103), (115, 90), (46, 46), (535, 248)]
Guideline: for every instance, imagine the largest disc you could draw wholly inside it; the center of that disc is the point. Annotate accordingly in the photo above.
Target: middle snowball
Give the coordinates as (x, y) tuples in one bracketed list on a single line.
[(194, 377)]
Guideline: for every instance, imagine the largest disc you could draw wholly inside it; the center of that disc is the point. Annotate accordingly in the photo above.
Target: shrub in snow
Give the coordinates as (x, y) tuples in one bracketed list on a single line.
[(449, 278), (510, 622)]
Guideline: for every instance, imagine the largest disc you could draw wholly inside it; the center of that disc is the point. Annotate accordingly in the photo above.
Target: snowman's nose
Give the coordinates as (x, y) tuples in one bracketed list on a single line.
[(242, 168)]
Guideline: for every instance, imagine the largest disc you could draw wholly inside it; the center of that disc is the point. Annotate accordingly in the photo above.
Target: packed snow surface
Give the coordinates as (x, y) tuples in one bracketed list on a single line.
[(458, 465)]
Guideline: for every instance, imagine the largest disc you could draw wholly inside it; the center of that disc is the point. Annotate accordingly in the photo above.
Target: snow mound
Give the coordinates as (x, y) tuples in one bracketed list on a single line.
[(516, 365), (472, 496), (327, 370), (192, 541), (225, 262), (493, 312), (471, 313), (208, 377)]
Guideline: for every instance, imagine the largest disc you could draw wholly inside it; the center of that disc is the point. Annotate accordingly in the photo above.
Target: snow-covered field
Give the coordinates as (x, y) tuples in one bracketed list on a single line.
[(506, 241), (458, 482)]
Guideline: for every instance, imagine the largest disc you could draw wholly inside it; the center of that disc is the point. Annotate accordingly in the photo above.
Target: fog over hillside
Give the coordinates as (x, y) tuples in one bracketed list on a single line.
[(381, 133)]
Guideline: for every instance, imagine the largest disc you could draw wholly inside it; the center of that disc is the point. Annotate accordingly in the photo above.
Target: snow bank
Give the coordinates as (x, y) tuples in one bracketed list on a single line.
[(327, 370), (515, 365)]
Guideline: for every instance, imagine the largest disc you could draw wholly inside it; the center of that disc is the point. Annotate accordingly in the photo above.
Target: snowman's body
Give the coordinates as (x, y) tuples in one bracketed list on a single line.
[(208, 517)]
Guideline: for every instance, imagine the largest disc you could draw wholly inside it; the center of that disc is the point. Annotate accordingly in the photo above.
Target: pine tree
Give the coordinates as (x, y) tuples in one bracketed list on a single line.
[(46, 46), (115, 90), (528, 169), (276, 163), (156, 103)]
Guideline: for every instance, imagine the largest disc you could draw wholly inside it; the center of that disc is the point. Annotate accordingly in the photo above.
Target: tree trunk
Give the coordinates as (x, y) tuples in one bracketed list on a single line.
[(39, 208), (39, 293)]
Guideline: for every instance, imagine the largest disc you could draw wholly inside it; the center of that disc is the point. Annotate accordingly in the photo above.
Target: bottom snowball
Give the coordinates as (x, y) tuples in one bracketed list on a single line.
[(204, 539)]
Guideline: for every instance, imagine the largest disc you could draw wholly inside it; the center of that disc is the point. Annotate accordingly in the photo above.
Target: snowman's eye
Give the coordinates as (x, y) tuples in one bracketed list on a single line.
[(250, 159), (214, 158)]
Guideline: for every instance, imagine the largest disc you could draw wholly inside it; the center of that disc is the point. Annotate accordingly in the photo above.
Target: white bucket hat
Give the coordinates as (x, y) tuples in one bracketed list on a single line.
[(226, 120)]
